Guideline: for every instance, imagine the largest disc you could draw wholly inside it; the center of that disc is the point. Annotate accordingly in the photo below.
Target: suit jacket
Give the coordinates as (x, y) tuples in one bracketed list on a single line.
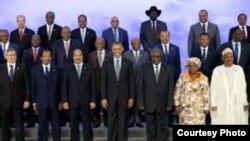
[(56, 35), (93, 61), (155, 96), (196, 30), (58, 54), (173, 58), (89, 41), (28, 61), (11, 45), (117, 92), (244, 54), (247, 40), (150, 37), (26, 41), (13, 94), (78, 91), (110, 39), (209, 64), (45, 88), (143, 59)]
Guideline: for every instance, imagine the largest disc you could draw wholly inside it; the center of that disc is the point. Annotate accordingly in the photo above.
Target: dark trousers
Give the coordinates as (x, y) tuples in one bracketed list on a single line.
[(134, 115), (29, 116), (157, 126), (43, 122), (6, 116), (85, 115), (96, 113), (117, 123)]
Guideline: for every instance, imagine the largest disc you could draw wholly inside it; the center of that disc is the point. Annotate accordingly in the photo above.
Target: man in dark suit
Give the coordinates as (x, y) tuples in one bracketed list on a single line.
[(31, 57), (242, 19), (96, 60), (5, 44), (206, 54), (117, 92), (62, 56), (45, 97), (171, 53), (115, 34), (50, 32), (139, 58), (14, 95), (156, 85), (22, 35), (79, 96), (86, 36), (241, 52), (150, 29), (203, 26)]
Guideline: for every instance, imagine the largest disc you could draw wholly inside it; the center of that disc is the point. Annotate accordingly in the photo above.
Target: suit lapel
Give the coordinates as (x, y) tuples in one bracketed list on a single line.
[(151, 71), (161, 73), (6, 71)]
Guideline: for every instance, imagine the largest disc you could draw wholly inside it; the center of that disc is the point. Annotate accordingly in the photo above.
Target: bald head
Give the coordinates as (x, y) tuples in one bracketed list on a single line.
[(50, 17), (35, 41), (66, 32), (114, 22), (77, 56), (136, 44), (4, 36), (100, 43)]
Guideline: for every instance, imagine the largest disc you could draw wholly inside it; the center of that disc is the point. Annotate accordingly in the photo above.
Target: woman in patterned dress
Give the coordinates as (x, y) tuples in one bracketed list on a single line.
[(191, 97)]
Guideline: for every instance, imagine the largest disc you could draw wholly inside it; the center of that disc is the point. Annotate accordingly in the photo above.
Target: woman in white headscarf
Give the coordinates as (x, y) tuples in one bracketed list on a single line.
[(191, 96)]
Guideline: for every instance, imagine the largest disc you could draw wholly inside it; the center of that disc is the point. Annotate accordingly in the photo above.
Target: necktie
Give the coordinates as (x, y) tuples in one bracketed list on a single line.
[(35, 54), (166, 49), (78, 70), (4, 50), (236, 51), (154, 25), (203, 27), (243, 32), (100, 59), (66, 46), (46, 71), (136, 56), (157, 72), (50, 33), (117, 69), (203, 54), (116, 35), (11, 73), (20, 35), (83, 35)]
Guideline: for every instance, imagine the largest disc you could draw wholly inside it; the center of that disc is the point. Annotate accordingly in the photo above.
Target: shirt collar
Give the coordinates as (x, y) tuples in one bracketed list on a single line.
[(52, 25), (64, 41), (46, 66), (206, 23), (138, 51), (6, 44), (79, 64), (159, 65), (120, 58), (14, 65), (165, 44)]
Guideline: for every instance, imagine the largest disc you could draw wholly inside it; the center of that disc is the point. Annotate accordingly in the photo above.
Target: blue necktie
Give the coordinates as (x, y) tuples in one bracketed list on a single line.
[(236, 51), (11, 73), (46, 71)]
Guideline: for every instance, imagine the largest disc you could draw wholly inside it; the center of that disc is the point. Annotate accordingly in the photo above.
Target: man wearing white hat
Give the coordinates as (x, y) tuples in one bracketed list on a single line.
[(228, 92)]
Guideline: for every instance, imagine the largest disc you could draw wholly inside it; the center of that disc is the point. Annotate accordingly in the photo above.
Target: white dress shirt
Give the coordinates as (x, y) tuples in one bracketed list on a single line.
[(7, 44), (206, 50), (164, 49), (245, 29), (8, 65), (206, 26), (120, 61), (239, 49), (44, 67), (159, 67), (51, 26)]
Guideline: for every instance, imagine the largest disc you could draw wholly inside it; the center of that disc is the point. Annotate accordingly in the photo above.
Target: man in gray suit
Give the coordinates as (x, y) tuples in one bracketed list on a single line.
[(139, 58), (203, 26), (150, 29)]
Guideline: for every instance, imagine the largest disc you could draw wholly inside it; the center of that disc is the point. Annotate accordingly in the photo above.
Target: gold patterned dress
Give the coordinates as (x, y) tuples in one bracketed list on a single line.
[(192, 97)]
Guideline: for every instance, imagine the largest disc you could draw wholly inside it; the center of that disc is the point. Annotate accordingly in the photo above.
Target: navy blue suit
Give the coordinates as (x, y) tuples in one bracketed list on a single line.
[(46, 97), (108, 35), (172, 58)]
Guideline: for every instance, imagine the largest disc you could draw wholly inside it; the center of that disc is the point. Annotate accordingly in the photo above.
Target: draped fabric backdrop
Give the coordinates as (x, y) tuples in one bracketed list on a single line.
[(179, 14)]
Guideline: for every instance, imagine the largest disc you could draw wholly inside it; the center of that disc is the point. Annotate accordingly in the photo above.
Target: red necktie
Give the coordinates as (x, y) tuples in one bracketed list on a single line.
[(20, 35)]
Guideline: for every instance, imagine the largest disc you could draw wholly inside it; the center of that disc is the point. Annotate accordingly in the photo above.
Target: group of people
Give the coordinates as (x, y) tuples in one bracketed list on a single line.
[(59, 73)]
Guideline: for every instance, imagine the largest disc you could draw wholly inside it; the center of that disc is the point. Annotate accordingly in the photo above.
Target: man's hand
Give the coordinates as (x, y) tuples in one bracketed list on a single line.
[(177, 109), (130, 103), (65, 106), (60, 107), (92, 105), (214, 108), (141, 108), (104, 103), (34, 107), (26, 104)]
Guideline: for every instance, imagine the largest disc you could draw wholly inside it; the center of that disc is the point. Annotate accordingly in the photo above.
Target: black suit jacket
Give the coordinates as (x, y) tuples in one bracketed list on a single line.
[(89, 41), (93, 61), (13, 94), (247, 40), (56, 35), (209, 64), (78, 92), (26, 41), (11, 45), (117, 91), (45, 88), (152, 95), (58, 53)]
